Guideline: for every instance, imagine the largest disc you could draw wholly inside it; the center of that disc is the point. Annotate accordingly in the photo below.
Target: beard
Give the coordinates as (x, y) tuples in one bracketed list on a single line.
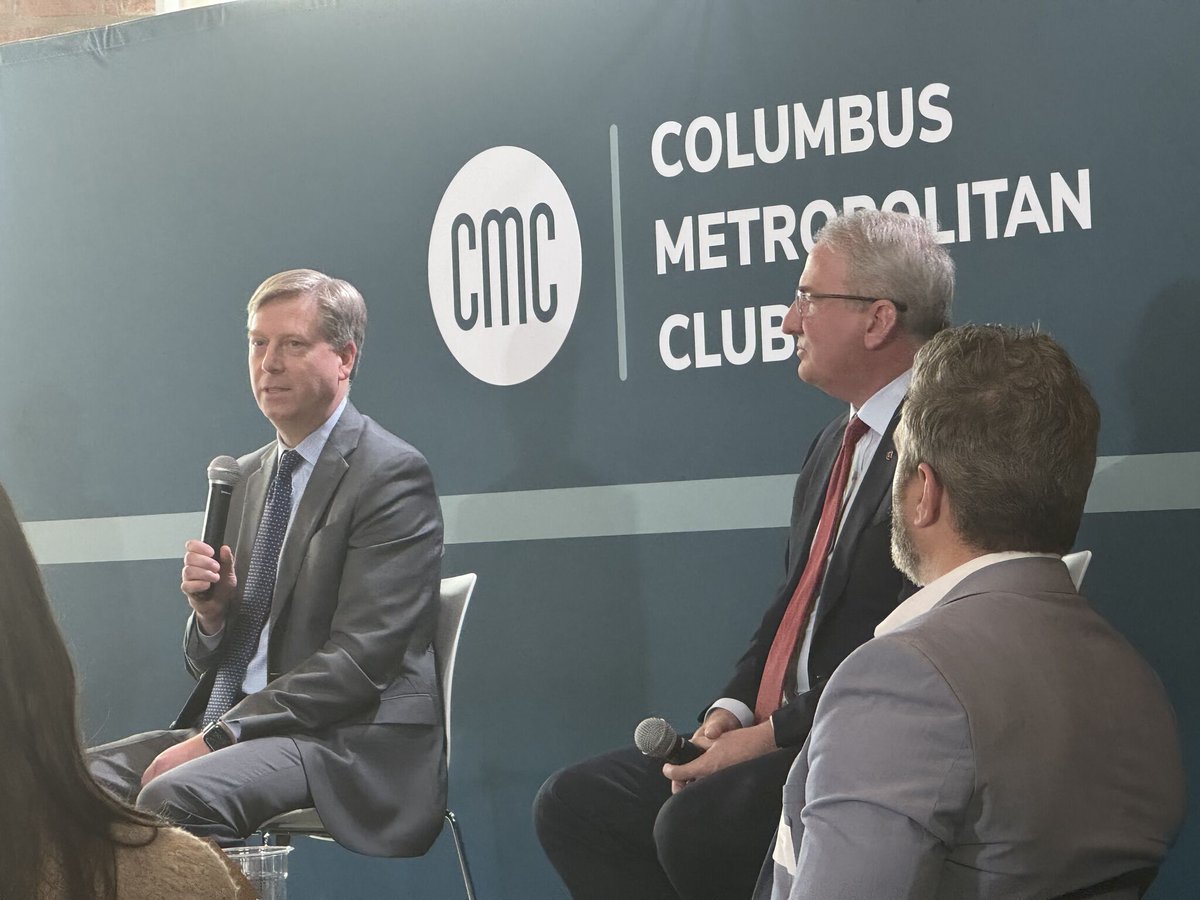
[(904, 550)]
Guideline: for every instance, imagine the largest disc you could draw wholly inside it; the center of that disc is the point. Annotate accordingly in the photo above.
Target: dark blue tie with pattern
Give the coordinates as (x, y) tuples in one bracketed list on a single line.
[(256, 595)]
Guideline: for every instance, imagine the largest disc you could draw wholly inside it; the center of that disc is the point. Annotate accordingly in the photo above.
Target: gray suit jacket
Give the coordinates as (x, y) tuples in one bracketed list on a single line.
[(1007, 744), (351, 673)]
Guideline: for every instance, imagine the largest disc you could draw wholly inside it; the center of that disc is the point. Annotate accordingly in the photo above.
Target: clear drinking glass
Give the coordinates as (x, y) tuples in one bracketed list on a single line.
[(265, 868)]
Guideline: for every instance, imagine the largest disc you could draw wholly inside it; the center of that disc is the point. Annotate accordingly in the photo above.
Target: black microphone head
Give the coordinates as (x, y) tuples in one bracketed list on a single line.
[(655, 737), (224, 470)]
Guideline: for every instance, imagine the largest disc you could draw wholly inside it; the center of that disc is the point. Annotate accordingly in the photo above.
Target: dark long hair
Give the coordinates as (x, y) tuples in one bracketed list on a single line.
[(55, 817)]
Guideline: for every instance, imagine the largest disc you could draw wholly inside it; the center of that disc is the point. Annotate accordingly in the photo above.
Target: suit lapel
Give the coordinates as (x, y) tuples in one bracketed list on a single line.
[(876, 487), (327, 474)]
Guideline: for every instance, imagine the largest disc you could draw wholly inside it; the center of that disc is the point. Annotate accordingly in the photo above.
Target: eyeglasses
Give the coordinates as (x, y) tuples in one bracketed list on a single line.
[(804, 300)]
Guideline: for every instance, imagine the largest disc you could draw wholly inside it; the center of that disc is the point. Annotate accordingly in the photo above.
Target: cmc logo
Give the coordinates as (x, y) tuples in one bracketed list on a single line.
[(504, 265)]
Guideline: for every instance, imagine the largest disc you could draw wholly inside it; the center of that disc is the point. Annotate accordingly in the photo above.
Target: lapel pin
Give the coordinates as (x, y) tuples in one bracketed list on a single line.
[(889, 455)]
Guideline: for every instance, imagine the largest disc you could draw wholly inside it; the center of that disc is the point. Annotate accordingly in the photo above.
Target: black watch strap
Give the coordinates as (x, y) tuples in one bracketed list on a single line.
[(217, 736)]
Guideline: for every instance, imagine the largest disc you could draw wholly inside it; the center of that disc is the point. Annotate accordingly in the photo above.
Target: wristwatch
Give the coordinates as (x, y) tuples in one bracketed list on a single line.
[(218, 736)]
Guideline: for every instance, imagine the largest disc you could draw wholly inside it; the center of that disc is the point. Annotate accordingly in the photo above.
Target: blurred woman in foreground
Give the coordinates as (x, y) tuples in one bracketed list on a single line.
[(61, 835)]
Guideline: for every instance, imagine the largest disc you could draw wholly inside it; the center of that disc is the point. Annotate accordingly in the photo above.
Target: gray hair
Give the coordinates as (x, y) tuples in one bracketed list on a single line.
[(1006, 421), (342, 308), (896, 256)]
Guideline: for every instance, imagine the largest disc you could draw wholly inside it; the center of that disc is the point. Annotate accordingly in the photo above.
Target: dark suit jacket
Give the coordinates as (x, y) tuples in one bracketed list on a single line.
[(861, 585), (351, 673)]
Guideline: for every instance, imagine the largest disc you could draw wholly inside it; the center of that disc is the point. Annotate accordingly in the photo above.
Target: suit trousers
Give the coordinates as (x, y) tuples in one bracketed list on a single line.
[(612, 828), (224, 795)]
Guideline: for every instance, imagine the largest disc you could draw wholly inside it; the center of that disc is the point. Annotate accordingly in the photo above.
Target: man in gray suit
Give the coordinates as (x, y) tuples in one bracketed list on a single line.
[(997, 739), (310, 631)]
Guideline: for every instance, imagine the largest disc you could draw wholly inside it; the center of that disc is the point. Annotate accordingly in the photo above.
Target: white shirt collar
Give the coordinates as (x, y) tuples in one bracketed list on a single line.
[(933, 593), (878, 411), (310, 448)]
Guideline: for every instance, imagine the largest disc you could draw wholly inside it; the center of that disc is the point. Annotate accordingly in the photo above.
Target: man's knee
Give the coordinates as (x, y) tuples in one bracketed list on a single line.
[(555, 806), (175, 799), (110, 777), (114, 772), (118, 765)]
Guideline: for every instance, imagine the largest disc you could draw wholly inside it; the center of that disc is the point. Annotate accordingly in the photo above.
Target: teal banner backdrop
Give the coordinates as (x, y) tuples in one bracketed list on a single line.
[(577, 227)]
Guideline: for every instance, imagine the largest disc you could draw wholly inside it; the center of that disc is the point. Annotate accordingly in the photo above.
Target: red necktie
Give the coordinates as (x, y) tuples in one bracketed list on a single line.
[(770, 688)]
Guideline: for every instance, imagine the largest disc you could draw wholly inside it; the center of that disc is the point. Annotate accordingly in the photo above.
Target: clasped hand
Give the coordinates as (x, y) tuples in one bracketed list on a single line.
[(725, 743)]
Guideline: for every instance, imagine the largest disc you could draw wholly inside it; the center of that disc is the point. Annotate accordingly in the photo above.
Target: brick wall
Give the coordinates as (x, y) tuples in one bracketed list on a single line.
[(24, 19), (21, 20)]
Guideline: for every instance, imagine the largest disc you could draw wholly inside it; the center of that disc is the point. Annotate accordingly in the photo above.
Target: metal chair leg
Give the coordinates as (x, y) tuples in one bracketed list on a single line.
[(462, 855)]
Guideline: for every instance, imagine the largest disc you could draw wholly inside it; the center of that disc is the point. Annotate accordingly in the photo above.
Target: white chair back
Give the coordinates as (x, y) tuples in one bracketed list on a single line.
[(1077, 565), (453, 596), (452, 611)]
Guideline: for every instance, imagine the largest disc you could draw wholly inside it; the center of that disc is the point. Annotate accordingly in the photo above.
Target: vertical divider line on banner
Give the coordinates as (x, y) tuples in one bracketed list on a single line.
[(618, 251)]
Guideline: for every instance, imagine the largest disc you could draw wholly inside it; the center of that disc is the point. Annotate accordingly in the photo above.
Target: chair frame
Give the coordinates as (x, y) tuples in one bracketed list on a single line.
[(453, 599)]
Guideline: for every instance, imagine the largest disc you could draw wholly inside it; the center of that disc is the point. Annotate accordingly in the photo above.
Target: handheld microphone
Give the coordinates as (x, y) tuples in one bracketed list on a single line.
[(658, 740), (223, 476)]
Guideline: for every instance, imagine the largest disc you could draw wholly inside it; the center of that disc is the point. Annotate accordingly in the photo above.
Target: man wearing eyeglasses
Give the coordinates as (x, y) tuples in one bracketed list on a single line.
[(875, 287)]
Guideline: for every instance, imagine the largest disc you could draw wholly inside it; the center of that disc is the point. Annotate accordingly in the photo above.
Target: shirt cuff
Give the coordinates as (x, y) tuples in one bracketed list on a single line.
[(744, 714), (209, 641)]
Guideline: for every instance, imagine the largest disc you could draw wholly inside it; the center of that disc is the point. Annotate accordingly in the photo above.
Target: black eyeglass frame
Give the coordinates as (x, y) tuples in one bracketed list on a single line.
[(802, 296)]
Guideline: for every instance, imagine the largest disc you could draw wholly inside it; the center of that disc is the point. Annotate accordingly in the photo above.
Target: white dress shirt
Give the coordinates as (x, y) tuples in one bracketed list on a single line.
[(933, 593)]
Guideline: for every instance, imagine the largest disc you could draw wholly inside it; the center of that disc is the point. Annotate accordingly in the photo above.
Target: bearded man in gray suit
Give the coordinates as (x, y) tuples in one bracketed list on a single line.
[(316, 683), (997, 739)]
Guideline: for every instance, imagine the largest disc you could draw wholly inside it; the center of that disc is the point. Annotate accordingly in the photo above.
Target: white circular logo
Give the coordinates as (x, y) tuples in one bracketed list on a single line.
[(505, 263)]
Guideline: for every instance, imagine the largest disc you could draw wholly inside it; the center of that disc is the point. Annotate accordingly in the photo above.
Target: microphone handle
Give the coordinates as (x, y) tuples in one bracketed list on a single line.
[(683, 752), (216, 514)]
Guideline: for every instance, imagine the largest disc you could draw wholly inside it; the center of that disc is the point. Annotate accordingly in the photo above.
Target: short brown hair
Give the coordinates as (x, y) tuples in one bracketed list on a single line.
[(1006, 421), (342, 308)]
